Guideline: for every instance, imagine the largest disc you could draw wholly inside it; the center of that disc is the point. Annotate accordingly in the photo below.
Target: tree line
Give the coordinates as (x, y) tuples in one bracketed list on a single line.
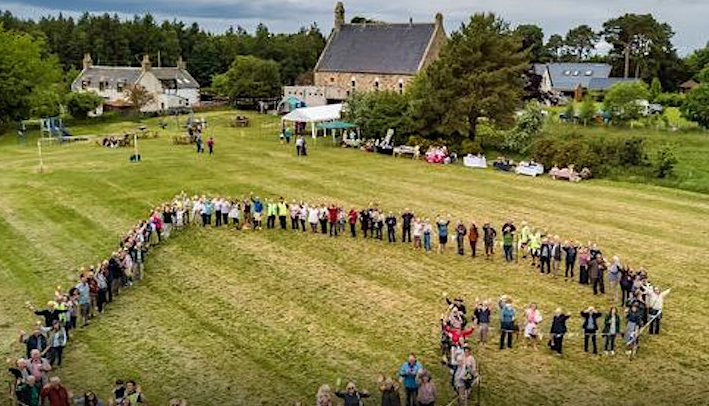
[(114, 41)]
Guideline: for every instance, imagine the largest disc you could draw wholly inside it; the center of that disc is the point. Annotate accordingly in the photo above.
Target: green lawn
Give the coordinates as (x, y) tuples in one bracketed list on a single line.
[(264, 318)]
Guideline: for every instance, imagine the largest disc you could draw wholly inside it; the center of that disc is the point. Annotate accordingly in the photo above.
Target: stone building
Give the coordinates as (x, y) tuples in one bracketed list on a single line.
[(376, 56), (172, 87)]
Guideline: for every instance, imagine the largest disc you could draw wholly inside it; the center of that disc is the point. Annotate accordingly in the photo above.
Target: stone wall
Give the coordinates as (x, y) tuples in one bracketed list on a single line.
[(363, 81)]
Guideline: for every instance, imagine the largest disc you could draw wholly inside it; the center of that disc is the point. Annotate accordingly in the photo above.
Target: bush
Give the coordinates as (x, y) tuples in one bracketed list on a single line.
[(622, 98), (471, 147), (600, 154), (670, 99), (665, 161), (80, 104)]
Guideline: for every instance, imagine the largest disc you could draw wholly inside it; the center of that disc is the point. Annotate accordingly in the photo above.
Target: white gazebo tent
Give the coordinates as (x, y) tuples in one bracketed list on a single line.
[(314, 115)]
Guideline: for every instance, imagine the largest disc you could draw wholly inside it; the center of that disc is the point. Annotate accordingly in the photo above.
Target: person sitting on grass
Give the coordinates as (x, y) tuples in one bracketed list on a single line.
[(352, 396)]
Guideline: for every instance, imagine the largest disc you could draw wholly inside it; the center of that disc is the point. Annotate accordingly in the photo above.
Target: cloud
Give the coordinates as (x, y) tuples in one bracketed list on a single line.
[(555, 16)]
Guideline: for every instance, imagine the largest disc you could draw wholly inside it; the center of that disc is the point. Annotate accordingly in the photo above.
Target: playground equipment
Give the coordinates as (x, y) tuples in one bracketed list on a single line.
[(53, 127)]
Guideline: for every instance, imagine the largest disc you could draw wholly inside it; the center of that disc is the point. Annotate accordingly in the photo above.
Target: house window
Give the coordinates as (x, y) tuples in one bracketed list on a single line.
[(353, 84), (376, 83), (332, 79), (102, 86), (119, 87), (401, 86), (85, 84)]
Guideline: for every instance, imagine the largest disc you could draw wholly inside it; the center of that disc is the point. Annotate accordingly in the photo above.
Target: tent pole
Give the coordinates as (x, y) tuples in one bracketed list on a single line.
[(312, 128)]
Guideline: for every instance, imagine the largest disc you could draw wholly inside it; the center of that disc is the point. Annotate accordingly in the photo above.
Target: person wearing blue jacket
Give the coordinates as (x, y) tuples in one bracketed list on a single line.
[(409, 372), (507, 318)]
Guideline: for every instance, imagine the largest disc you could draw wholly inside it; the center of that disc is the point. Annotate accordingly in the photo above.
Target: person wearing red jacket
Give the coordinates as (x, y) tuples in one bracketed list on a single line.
[(332, 219), (456, 334), (56, 393), (352, 217)]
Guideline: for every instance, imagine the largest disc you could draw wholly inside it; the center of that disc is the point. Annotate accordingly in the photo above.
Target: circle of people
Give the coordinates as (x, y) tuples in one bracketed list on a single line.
[(99, 285)]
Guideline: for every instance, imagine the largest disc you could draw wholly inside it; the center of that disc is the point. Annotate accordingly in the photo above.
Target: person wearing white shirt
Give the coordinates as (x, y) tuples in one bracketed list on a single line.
[(655, 300)]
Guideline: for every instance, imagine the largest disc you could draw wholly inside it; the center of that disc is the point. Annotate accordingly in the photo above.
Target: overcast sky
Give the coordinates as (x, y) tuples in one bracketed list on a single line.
[(688, 18)]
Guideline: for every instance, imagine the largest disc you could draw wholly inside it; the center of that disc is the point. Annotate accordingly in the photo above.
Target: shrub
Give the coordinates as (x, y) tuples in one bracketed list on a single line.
[(470, 147), (670, 99), (665, 161)]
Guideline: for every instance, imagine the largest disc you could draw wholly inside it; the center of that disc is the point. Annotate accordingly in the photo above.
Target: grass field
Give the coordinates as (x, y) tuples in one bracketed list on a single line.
[(264, 318)]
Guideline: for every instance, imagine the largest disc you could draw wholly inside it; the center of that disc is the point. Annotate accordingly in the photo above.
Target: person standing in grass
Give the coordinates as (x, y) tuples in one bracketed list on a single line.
[(207, 208), (352, 216), (417, 227), (364, 221), (234, 213), (507, 318), (442, 225), (210, 145), (460, 232), (332, 219), (270, 214), (427, 390), (390, 393), (257, 207), (584, 258), (535, 244), (390, 222), (282, 211), (555, 256), (481, 315), (596, 269), (57, 341), (294, 215), (427, 231), (313, 217), (84, 299), (406, 219), (324, 216), (303, 215), (655, 301), (217, 202), (324, 396), (489, 235), (409, 372), (134, 394), (226, 208), (611, 326), (558, 330), (634, 321), (590, 328), (545, 256), (55, 393), (378, 224), (569, 259), (352, 396), (614, 275), (531, 330), (508, 239), (524, 234), (473, 238)]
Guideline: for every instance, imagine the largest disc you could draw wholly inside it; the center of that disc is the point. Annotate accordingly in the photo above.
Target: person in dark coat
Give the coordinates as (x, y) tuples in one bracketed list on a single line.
[(351, 395), (590, 328), (35, 341), (545, 256), (558, 330), (570, 259), (390, 393), (596, 269)]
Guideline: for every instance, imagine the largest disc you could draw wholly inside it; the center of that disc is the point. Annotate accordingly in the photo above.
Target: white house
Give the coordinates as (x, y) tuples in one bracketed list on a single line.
[(172, 87)]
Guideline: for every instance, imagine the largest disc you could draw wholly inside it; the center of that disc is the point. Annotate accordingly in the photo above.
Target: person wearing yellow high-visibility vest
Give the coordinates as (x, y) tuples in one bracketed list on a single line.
[(282, 211)]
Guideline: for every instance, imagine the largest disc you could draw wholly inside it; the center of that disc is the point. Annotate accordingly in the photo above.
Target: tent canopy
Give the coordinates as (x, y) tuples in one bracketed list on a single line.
[(317, 114), (336, 125)]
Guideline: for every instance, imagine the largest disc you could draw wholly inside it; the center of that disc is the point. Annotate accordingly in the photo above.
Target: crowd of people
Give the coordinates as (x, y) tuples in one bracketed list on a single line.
[(635, 303)]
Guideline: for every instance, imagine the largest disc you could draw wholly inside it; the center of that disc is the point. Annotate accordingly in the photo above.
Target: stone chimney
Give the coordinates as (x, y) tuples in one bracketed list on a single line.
[(439, 20), (145, 63), (87, 62), (181, 63), (339, 15)]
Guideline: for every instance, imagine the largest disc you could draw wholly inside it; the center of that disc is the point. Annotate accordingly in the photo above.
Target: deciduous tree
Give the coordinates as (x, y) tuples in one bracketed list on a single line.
[(249, 77)]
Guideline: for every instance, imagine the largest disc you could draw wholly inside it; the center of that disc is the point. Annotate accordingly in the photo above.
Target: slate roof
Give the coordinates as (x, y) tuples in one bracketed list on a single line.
[(184, 79), (606, 83), (110, 74), (130, 75), (566, 77), (377, 48)]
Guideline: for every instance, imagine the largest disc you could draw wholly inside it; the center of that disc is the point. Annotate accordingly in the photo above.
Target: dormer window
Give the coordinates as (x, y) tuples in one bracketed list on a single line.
[(576, 73), (567, 72), (589, 73)]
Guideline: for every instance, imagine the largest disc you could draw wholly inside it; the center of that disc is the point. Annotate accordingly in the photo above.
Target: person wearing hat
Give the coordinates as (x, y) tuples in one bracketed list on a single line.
[(590, 327), (427, 390)]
